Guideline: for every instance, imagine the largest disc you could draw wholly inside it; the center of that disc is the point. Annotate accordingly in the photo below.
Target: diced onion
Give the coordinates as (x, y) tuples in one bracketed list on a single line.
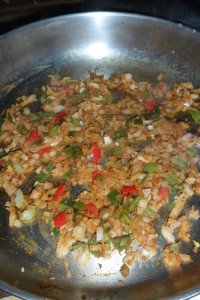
[(79, 232), (167, 234), (100, 234)]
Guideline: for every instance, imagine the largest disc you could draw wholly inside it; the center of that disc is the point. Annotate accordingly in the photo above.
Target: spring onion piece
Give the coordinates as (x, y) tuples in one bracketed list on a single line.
[(41, 177), (71, 134), (56, 232), (107, 97), (135, 120), (94, 249), (28, 216), (76, 122), (48, 113), (2, 152), (79, 246), (155, 114), (150, 211), (74, 151), (79, 98), (122, 242), (49, 167), (67, 202), (33, 117), (175, 247), (195, 115), (19, 199), (54, 131), (192, 152), (151, 168), (117, 151), (172, 179), (120, 132), (79, 205), (134, 204), (114, 197), (44, 97), (172, 194)]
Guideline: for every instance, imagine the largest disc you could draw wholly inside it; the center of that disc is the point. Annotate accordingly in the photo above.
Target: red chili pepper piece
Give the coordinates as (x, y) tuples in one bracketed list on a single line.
[(44, 150), (34, 136), (58, 117), (95, 174), (59, 191), (128, 190), (96, 153), (163, 192), (92, 210), (60, 219), (150, 105)]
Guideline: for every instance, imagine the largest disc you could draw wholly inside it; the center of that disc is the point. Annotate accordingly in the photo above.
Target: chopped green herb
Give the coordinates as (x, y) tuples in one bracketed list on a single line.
[(33, 117), (117, 151), (124, 218), (172, 194), (48, 113), (44, 97), (71, 133), (76, 122), (179, 162), (79, 98), (79, 246), (175, 247), (195, 115), (107, 98), (134, 204), (114, 196), (74, 151), (56, 232), (122, 242), (138, 121), (54, 131), (49, 167), (41, 177), (67, 202), (155, 114), (79, 205), (151, 168), (120, 132)]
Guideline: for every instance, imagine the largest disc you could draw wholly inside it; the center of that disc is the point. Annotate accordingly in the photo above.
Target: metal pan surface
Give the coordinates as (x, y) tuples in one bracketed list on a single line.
[(73, 45)]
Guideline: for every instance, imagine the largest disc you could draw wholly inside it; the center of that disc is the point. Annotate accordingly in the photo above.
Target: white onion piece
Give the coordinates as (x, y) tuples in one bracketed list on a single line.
[(79, 232), (167, 234), (100, 234)]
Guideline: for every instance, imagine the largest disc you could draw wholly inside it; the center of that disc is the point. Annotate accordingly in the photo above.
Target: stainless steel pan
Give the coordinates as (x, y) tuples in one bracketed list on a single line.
[(73, 45)]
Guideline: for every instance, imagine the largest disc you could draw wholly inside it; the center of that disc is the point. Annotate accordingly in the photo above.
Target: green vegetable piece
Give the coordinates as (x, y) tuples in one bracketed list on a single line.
[(107, 98), (175, 247), (49, 167), (179, 162), (10, 118), (172, 179), (172, 194), (122, 242), (197, 244), (120, 132), (117, 151), (192, 152), (195, 115), (150, 211), (138, 121), (151, 168), (114, 196), (79, 246), (71, 133), (76, 122), (69, 151), (79, 98), (120, 140), (96, 253), (48, 113), (44, 97), (79, 205), (56, 232), (67, 202), (134, 204), (41, 177), (107, 246), (2, 152), (155, 114), (125, 218), (54, 131), (74, 151), (33, 117)]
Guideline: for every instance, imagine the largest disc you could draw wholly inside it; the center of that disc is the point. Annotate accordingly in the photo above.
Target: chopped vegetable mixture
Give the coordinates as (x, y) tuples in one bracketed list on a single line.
[(106, 156)]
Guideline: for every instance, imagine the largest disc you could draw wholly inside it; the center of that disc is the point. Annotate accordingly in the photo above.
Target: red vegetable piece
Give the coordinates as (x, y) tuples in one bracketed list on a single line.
[(58, 192), (44, 150), (163, 192), (60, 219), (34, 136), (150, 105), (96, 153), (128, 190), (92, 210), (95, 174), (58, 117)]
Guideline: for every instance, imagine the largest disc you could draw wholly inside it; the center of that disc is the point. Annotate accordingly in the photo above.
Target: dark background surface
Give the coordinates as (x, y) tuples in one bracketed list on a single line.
[(14, 13)]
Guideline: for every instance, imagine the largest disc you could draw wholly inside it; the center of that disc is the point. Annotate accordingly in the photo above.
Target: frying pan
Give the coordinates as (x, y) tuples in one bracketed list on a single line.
[(73, 45)]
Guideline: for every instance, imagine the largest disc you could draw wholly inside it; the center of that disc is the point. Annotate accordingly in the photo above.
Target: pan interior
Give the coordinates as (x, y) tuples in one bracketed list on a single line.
[(73, 46)]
